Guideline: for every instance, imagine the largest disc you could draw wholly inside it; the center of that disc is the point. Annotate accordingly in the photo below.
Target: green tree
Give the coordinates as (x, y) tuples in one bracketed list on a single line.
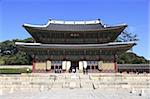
[(126, 36), (131, 58), (11, 55)]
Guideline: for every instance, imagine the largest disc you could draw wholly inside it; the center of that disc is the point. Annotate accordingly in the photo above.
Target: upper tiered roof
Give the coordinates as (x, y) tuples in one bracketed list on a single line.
[(75, 32), (58, 25)]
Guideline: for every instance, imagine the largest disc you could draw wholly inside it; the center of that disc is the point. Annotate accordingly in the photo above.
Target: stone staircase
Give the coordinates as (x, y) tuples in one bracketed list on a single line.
[(47, 82)]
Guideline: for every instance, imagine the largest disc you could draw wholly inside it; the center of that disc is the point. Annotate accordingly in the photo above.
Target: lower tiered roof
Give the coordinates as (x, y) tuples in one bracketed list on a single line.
[(113, 45), (104, 51)]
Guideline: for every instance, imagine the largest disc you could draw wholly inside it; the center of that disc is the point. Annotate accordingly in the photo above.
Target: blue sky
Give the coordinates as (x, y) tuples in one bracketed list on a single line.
[(14, 13)]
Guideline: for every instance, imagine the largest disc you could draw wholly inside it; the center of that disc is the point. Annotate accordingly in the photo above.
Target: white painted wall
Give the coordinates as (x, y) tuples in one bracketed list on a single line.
[(85, 64), (49, 64), (80, 65), (68, 65), (64, 65)]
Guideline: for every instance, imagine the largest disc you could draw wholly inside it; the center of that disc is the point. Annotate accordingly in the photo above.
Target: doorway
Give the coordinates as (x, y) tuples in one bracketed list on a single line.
[(74, 66)]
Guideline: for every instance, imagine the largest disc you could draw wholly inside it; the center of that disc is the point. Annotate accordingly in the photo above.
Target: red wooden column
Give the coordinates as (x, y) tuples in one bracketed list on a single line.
[(115, 63), (33, 65)]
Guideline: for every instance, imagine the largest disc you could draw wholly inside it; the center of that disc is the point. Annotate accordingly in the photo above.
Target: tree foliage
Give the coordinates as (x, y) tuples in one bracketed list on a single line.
[(9, 54), (126, 36), (131, 58)]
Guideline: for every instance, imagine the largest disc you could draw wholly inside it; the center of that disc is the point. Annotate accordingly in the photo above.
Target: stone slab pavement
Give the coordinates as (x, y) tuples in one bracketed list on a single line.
[(76, 94)]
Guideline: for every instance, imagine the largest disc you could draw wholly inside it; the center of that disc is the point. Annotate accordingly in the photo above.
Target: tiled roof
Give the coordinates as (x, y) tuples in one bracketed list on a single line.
[(71, 25), (73, 46)]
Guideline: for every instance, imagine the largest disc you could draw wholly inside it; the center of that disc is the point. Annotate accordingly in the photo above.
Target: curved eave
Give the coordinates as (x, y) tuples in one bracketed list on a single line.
[(114, 45), (37, 32), (109, 28)]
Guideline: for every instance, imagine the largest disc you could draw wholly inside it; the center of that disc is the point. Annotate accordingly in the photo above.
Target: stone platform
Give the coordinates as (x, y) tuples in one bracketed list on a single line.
[(75, 86)]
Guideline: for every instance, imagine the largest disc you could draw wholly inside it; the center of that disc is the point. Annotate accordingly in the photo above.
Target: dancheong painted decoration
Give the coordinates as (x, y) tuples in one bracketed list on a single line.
[(74, 46)]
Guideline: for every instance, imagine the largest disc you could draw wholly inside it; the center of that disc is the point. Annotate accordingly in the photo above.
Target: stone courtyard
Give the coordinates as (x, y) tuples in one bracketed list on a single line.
[(75, 86)]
